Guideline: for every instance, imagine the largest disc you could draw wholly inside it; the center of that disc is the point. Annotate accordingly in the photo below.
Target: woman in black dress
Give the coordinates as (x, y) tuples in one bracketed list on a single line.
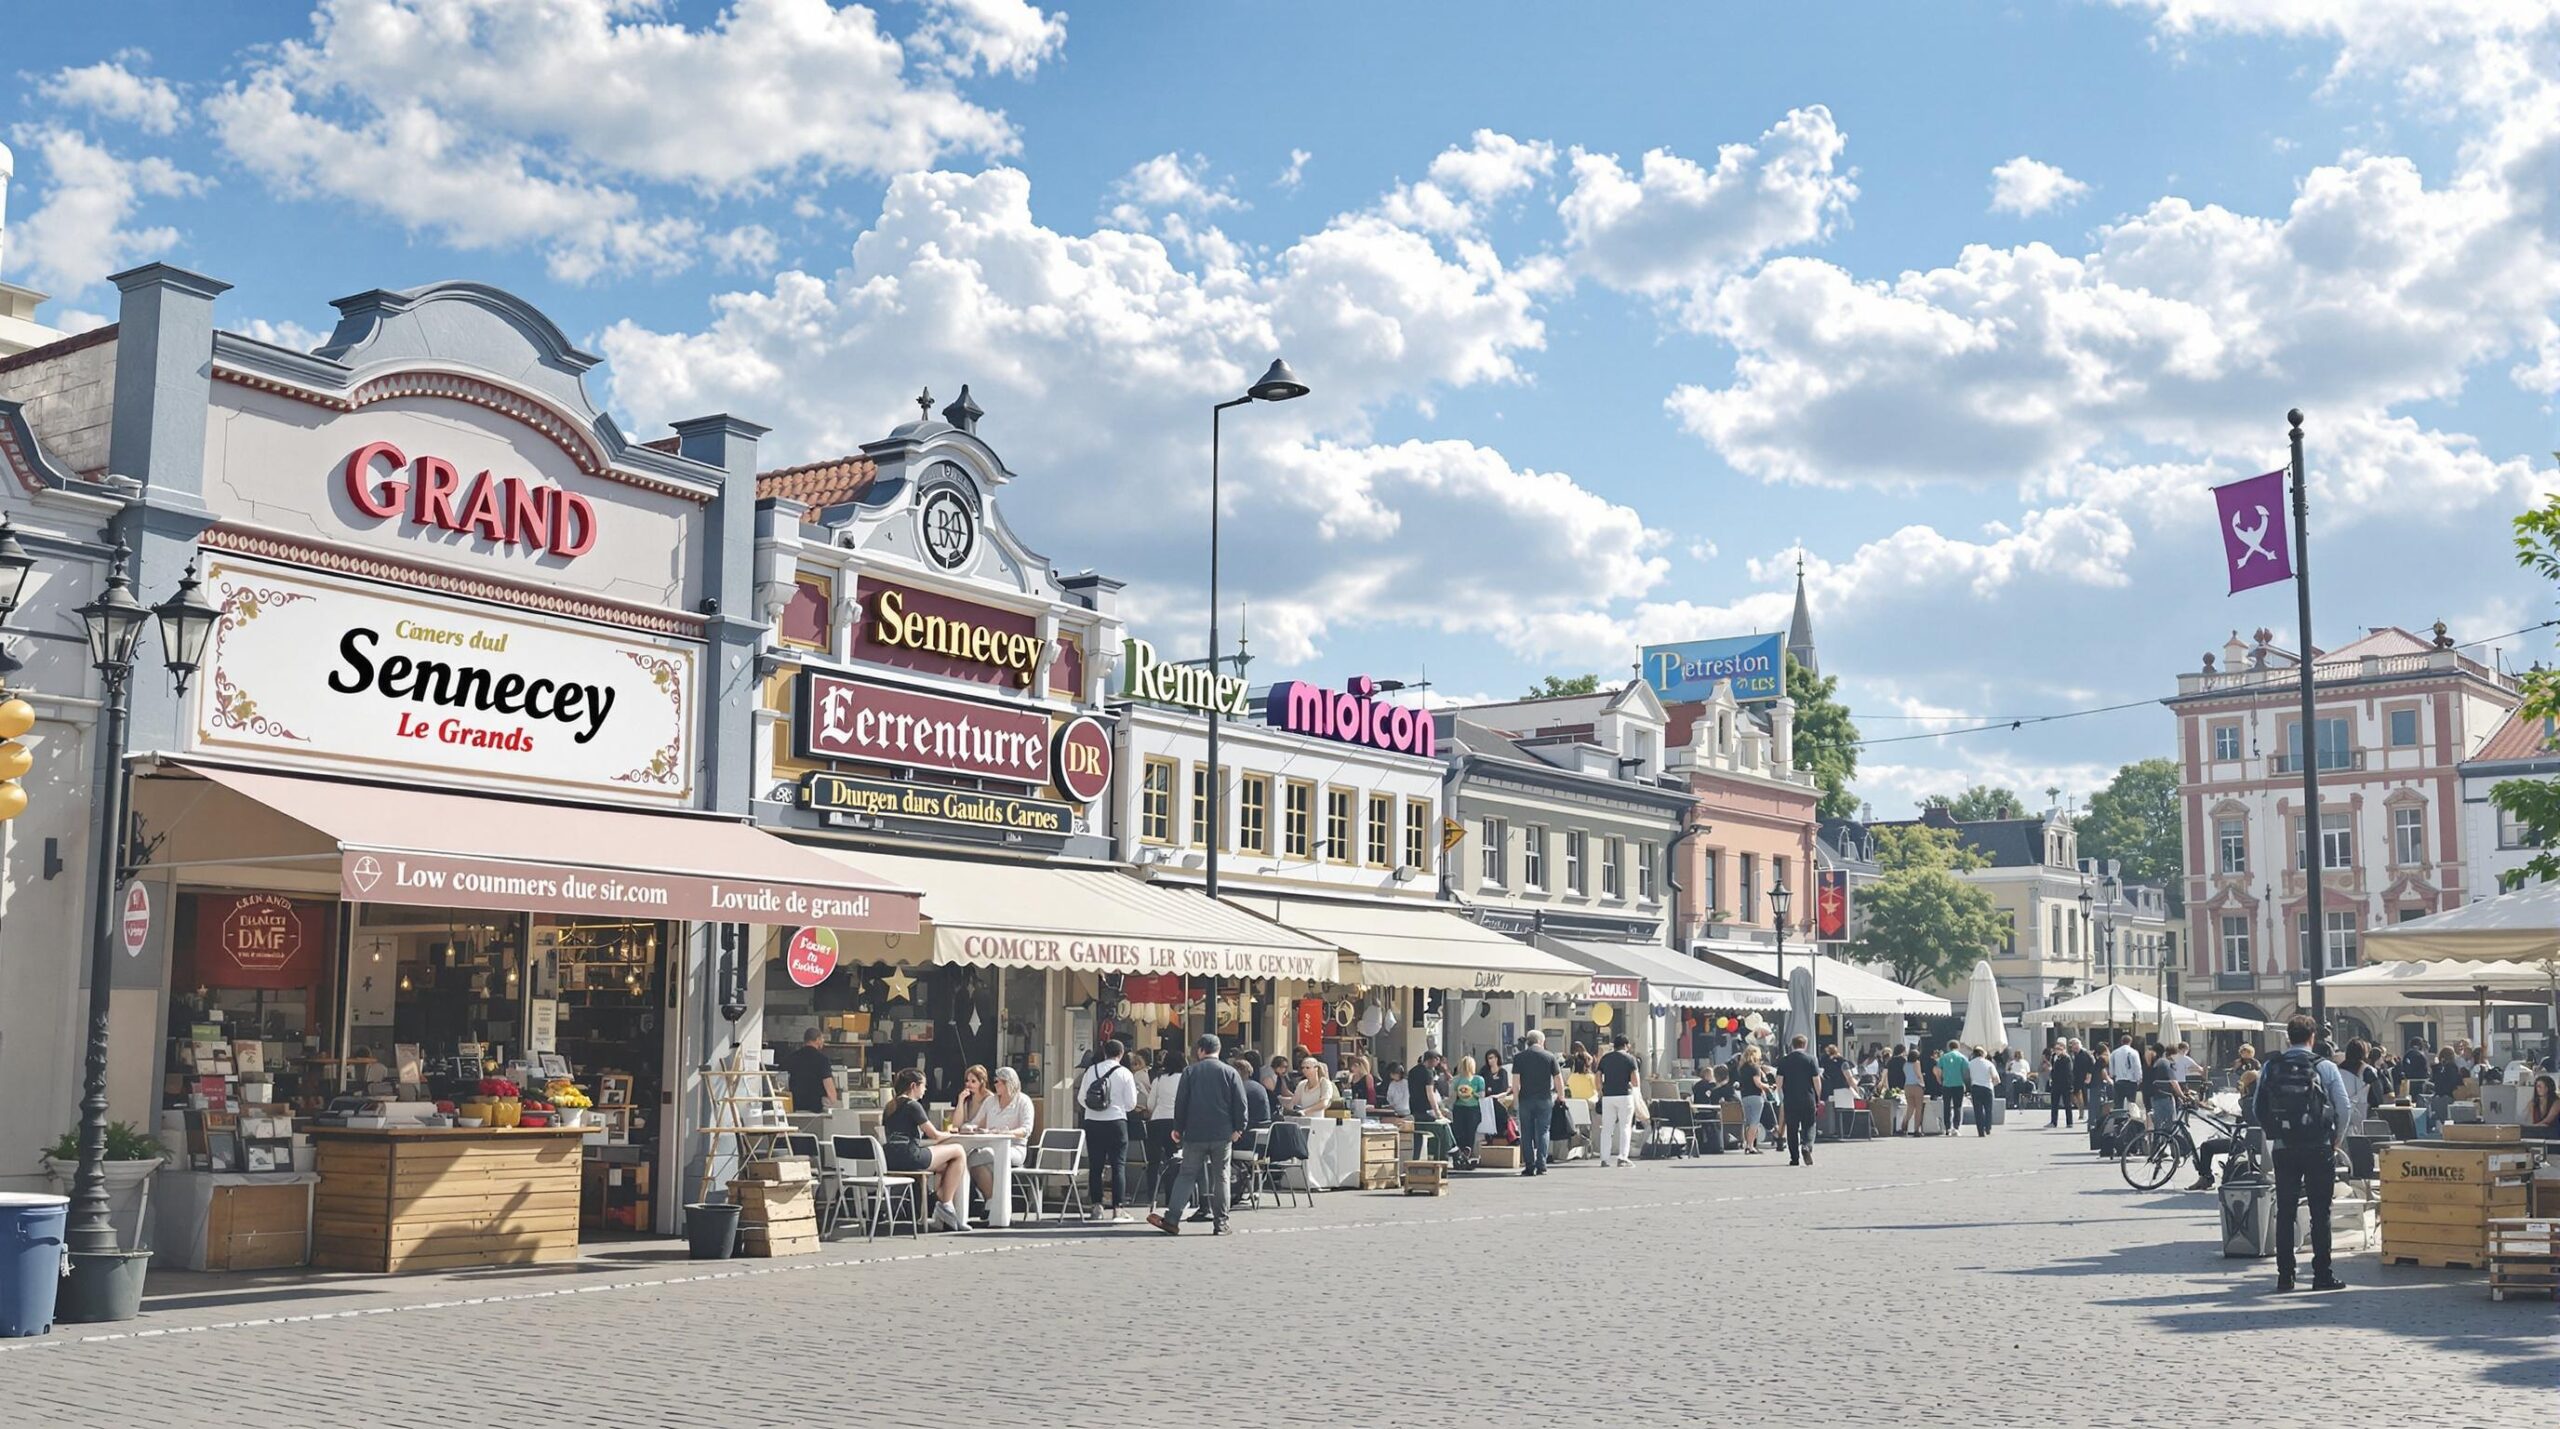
[(909, 1141), (1497, 1085)]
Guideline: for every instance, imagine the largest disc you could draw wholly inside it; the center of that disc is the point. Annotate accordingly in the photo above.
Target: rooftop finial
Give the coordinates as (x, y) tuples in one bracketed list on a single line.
[(963, 413), (924, 405)]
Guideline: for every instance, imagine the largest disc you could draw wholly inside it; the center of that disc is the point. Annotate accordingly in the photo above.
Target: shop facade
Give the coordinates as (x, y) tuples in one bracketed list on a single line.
[(1331, 822), (459, 793)]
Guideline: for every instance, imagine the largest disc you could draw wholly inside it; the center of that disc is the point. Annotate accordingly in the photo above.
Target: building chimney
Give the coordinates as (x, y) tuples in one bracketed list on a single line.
[(1782, 733)]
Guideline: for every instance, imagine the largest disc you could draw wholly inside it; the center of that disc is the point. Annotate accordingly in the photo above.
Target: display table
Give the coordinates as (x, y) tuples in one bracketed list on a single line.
[(991, 1149), (443, 1198), (1333, 1156), (224, 1220)]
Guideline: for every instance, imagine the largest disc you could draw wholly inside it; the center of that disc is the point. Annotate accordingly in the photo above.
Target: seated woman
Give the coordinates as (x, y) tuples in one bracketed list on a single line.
[(1399, 1091), (1713, 1087), (973, 1092), (2542, 1116), (909, 1141), (1581, 1084), (1002, 1112), (1359, 1084), (1315, 1092)]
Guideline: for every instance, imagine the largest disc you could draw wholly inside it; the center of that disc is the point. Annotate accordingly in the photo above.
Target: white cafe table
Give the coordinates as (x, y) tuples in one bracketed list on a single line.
[(987, 1148), (1333, 1154)]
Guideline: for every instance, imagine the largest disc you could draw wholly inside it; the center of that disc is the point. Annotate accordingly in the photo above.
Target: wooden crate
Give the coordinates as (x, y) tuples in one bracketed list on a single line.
[(767, 1242), (1426, 1178), (1378, 1159), (779, 1168), (2442, 1164), (1498, 1157), (397, 1200), (2480, 1131), (2537, 1275), (2524, 1236), (257, 1227)]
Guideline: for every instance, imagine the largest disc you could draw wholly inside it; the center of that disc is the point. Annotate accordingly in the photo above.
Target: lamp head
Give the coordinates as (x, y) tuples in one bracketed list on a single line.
[(1277, 385)]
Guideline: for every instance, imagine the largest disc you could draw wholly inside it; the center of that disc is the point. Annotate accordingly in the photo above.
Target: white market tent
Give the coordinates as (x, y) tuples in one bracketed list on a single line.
[(2388, 985), (2523, 926), (1849, 988), (2116, 1005)]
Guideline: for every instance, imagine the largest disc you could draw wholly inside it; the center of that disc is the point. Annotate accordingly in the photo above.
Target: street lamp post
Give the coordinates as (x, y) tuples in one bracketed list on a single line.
[(1781, 899), (1279, 384), (106, 1280)]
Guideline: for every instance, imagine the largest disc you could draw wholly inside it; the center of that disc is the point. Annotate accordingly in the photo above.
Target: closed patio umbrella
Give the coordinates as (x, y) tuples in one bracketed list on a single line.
[(1982, 1009), (1799, 1006)]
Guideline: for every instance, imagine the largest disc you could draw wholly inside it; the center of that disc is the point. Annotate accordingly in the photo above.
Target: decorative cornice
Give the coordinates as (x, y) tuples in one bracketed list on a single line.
[(569, 436), (373, 565)]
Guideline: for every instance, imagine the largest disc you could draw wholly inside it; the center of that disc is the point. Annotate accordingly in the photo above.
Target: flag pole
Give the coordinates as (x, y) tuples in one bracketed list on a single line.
[(2316, 932)]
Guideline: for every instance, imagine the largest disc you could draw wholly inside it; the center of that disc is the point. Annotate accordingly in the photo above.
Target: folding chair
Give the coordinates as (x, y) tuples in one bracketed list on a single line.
[(1284, 1150), (1577, 1114), (1245, 1169), (1676, 1113), (1058, 1160), (865, 1188)]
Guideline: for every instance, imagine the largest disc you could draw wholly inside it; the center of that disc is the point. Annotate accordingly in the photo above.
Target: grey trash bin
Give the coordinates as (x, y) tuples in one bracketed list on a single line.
[(2248, 1217)]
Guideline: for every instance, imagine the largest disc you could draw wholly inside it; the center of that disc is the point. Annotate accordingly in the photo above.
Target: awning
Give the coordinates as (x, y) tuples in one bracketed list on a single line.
[(1849, 988), (1670, 980), (442, 850), (997, 913), (2521, 926), (2116, 1005), (1421, 946), (2394, 985)]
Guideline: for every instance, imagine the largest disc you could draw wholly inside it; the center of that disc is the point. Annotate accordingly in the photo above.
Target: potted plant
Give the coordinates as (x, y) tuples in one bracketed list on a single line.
[(131, 1159)]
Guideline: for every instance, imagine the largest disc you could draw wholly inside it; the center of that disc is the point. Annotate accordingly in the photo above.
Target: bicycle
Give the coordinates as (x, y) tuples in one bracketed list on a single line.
[(2151, 1156)]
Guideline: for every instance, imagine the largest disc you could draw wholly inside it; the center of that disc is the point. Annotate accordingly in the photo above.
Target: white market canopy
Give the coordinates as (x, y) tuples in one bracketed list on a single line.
[(2116, 1005), (2522, 926), (2386, 985), (1849, 988), (992, 913), (1420, 946), (1671, 980)]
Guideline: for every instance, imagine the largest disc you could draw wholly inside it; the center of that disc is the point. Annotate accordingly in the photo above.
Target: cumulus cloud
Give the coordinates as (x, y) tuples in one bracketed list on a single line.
[(497, 123), (2026, 187), (1168, 182), (82, 227), (1676, 227), (1097, 354), (111, 89), (1296, 173), (1464, 183)]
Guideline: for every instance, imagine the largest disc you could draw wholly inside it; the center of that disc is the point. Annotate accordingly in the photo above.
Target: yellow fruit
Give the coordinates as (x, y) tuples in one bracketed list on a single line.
[(15, 760), (13, 802), (16, 718)]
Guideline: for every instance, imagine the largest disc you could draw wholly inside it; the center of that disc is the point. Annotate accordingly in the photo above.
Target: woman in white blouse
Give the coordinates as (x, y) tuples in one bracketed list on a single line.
[(1004, 1111), (1315, 1090)]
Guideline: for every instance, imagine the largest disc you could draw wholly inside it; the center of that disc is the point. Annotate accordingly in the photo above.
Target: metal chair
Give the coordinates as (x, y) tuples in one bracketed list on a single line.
[(1284, 1150), (868, 1190), (1058, 1160), (1245, 1169), (1675, 1112)]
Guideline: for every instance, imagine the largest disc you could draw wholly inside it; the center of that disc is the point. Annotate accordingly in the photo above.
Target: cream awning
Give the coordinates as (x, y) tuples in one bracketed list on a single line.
[(997, 913), (1421, 946), (2522, 926), (2116, 1005), (1850, 988), (1669, 979)]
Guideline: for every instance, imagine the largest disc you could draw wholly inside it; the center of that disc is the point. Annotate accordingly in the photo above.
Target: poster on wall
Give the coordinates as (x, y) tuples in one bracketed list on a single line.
[(257, 940), (327, 668), (542, 1028)]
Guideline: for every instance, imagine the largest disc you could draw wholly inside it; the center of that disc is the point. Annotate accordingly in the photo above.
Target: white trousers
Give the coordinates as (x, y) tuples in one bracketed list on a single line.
[(1617, 1128)]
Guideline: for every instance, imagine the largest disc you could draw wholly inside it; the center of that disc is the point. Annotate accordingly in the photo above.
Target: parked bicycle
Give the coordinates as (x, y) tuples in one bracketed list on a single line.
[(2152, 1156)]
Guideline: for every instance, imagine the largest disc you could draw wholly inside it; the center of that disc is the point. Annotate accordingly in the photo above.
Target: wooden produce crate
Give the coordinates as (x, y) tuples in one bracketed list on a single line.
[(1426, 1178), (399, 1199), (2439, 1197), (779, 1168), (766, 1242), (2524, 1258), (2474, 1132), (1498, 1157), (1378, 1158), (257, 1227)]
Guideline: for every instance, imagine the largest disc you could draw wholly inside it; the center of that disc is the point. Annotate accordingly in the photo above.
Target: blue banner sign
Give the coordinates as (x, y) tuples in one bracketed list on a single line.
[(1691, 669)]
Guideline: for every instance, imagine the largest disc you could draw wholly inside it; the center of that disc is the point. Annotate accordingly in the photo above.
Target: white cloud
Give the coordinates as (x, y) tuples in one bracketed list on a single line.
[(1169, 182), (1096, 356), (82, 227), (1465, 182), (2026, 187), (110, 89), (750, 247), (1296, 173), (1676, 228), (997, 36), (285, 333), (501, 123)]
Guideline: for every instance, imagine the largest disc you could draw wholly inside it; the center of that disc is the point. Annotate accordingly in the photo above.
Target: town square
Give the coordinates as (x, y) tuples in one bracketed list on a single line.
[(953, 712)]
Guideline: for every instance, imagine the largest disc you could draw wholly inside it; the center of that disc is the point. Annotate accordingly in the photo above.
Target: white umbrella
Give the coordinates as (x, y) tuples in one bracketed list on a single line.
[(2169, 1024), (2522, 925), (2118, 1006), (1982, 1009), (1800, 1005)]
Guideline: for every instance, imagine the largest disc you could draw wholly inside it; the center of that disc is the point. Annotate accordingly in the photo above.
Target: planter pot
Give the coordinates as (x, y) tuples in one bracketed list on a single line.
[(128, 1193), (102, 1287), (711, 1229)]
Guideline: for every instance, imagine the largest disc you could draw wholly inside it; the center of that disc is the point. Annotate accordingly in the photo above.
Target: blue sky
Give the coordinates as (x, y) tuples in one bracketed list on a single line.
[(1569, 397)]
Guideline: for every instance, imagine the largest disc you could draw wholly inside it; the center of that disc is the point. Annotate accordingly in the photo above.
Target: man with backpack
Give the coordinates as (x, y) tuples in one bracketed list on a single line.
[(2302, 1102), (1107, 1094)]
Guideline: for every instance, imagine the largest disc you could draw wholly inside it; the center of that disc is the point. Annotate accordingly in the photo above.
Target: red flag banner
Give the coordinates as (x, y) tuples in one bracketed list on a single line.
[(2255, 546)]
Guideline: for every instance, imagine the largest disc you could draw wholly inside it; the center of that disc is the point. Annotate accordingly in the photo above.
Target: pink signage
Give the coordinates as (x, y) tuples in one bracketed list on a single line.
[(1354, 715)]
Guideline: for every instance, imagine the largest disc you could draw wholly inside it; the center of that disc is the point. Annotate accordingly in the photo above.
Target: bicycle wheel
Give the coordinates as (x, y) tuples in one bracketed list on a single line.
[(2134, 1161), (2162, 1155)]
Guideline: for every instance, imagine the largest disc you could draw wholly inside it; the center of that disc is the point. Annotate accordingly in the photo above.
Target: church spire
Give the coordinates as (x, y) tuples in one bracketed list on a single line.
[(1800, 628)]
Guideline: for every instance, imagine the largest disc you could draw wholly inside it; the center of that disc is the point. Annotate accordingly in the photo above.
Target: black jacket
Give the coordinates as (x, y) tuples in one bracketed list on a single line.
[(1209, 1104)]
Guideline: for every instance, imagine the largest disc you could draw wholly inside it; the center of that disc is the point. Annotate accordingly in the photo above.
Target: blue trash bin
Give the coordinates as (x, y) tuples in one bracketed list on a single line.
[(31, 1260)]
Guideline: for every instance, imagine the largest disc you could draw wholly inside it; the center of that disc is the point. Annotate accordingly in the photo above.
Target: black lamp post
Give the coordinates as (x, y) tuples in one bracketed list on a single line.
[(1781, 900), (15, 564), (106, 1280), (1279, 384)]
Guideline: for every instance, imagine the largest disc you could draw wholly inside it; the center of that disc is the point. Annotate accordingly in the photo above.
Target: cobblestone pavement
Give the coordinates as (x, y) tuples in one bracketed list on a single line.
[(2005, 1281)]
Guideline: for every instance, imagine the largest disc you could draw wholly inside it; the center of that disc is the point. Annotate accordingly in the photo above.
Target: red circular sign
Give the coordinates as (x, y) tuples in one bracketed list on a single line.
[(811, 958), (137, 919), (1081, 757)]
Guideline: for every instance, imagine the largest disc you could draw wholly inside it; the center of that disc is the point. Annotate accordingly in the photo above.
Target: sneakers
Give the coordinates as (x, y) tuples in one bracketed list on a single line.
[(1160, 1223), (2328, 1282), (948, 1218), (1218, 1229)]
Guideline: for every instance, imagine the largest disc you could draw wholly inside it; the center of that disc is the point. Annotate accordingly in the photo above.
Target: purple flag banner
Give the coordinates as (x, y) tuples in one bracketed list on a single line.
[(2254, 543)]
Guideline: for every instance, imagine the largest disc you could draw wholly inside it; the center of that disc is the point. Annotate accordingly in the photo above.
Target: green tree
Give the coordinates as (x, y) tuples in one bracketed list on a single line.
[(2134, 820), (1922, 922), (1554, 685), (1826, 740), (1982, 801), (2535, 803)]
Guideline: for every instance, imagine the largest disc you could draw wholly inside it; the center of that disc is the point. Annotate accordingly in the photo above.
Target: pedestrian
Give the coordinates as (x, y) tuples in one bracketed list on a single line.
[(2015, 1079), (1160, 1148), (1982, 1078), (2124, 1070), (2182, 1066), (2302, 1102), (1799, 1083), (1618, 1110), (1915, 1092), (2084, 1079), (1890, 1098), (2359, 1074), (1466, 1111), (1209, 1118), (1955, 1077), (2161, 1092), (1497, 1090), (1751, 1083), (1399, 1091), (2059, 1085), (1581, 1083), (1534, 1076), (1835, 1071), (1105, 1095)]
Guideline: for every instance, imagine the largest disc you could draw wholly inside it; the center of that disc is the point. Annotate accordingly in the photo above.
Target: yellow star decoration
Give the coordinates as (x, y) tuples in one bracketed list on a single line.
[(900, 985)]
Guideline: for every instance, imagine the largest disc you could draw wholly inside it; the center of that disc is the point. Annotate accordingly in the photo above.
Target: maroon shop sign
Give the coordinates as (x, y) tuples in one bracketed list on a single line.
[(1615, 989), (937, 634), (258, 940), (438, 880), (837, 718)]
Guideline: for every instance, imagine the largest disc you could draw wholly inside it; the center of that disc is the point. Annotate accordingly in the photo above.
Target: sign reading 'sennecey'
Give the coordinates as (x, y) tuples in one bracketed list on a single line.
[(841, 718), (943, 635), (384, 483), (1354, 715)]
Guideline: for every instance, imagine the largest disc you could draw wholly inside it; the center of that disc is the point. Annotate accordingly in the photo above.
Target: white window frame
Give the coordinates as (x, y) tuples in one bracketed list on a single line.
[(1613, 873), (2236, 956), (2408, 835), (2230, 838), (1576, 860), (1533, 857), (1494, 839), (1646, 855)]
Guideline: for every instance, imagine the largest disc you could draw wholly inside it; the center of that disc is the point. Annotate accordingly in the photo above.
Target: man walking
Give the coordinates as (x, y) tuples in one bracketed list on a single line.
[(1535, 1073), (1981, 1077), (1618, 1072), (1208, 1121), (1955, 1073), (2124, 1069), (1799, 1083), (2060, 1083), (2303, 1104), (2084, 1079)]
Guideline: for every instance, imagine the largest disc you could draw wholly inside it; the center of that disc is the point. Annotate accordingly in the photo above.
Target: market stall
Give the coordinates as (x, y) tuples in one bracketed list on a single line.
[(445, 1198)]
